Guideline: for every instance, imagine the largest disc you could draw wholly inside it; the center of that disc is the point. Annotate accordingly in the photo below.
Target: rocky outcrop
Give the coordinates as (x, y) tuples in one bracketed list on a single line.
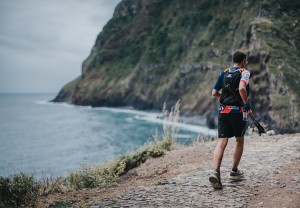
[(153, 51)]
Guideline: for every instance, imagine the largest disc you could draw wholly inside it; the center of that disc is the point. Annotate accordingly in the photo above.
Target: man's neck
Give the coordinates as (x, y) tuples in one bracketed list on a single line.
[(238, 65)]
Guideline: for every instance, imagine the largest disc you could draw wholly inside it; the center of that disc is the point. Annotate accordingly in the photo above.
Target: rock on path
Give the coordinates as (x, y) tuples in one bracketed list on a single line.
[(262, 158)]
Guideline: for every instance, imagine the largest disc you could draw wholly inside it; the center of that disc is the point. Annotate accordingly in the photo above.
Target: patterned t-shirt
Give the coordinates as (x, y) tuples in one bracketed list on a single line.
[(245, 76)]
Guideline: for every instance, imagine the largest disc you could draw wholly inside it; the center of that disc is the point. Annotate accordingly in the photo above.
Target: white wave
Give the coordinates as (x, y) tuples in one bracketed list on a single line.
[(145, 116), (189, 127), (184, 136), (65, 104), (130, 111), (42, 102), (129, 119)]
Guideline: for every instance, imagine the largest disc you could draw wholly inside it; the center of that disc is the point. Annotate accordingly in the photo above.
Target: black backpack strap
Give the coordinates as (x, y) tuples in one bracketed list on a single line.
[(234, 94)]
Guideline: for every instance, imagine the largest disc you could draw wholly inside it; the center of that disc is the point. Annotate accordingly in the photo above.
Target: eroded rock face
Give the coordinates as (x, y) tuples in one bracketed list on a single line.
[(153, 51)]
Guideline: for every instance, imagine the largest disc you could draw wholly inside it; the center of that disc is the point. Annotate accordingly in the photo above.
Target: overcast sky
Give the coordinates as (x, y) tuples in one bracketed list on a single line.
[(44, 42)]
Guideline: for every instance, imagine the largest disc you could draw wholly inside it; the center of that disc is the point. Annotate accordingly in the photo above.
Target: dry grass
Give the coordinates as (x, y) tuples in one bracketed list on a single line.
[(170, 118)]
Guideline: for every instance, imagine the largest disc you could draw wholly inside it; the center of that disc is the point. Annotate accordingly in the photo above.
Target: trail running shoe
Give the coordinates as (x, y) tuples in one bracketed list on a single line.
[(236, 176), (215, 181)]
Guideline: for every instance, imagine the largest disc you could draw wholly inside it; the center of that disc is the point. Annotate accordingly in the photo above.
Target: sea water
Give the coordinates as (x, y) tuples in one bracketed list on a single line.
[(40, 137)]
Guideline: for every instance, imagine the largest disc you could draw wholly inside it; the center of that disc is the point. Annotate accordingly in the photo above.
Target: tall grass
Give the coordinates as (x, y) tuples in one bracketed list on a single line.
[(170, 118)]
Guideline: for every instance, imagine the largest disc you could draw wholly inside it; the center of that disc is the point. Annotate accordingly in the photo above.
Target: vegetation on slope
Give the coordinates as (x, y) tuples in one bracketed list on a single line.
[(153, 51)]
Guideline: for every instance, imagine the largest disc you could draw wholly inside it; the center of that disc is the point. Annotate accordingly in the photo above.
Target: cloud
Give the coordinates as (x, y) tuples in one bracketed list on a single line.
[(46, 41)]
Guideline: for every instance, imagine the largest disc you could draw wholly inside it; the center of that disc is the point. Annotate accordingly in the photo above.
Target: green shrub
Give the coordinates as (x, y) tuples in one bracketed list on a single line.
[(18, 190), (105, 175)]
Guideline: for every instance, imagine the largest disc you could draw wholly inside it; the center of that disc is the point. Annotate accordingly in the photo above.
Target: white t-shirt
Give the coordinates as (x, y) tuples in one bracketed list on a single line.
[(245, 77)]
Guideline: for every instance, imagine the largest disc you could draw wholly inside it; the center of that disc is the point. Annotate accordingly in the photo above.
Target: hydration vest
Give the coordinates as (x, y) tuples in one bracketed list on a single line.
[(232, 80)]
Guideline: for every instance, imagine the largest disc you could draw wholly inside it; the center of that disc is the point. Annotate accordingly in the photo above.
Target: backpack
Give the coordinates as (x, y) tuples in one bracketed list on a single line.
[(231, 80)]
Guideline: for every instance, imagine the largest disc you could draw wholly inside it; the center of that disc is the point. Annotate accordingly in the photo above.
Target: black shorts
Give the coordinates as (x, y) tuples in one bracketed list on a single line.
[(231, 125)]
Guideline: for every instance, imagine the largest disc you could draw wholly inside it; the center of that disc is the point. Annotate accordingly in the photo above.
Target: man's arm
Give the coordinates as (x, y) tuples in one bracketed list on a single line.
[(243, 93), (215, 93), (242, 86), (218, 86)]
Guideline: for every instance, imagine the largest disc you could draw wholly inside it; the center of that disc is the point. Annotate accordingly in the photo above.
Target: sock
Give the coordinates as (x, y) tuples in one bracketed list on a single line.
[(234, 169)]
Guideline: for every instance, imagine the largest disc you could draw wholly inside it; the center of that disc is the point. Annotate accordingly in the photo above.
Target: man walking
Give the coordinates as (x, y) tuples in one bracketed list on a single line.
[(234, 85)]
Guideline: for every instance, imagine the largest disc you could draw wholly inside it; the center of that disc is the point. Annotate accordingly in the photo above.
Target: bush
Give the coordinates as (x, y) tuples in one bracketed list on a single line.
[(18, 190), (129, 161), (105, 175)]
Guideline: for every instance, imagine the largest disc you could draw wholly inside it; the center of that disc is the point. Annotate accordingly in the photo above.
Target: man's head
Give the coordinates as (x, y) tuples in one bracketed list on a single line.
[(239, 57)]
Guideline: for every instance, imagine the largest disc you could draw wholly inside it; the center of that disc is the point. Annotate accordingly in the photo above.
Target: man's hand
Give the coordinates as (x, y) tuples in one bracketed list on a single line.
[(249, 113), (247, 108)]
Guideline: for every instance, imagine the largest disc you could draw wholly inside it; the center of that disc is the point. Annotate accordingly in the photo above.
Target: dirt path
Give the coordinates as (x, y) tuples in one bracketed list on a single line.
[(272, 178)]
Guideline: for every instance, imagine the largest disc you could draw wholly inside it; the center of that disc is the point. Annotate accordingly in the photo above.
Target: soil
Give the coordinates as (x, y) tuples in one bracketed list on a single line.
[(282, 190), (180, 178)]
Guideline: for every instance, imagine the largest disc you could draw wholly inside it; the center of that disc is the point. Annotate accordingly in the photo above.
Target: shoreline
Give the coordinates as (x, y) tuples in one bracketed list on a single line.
[(196, 123)]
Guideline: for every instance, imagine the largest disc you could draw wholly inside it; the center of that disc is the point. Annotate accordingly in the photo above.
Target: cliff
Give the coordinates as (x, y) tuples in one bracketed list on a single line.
[(153, 51)]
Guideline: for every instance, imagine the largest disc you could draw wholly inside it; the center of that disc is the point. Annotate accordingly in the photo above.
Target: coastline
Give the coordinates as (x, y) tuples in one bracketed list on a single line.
[(196, 124), (62, 135)]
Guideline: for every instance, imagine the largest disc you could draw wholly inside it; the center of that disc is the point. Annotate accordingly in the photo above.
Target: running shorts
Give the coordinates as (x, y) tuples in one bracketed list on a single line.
[(231, 125)]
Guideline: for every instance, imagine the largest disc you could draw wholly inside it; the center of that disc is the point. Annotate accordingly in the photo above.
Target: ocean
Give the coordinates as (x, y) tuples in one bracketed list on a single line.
[(41, 138)]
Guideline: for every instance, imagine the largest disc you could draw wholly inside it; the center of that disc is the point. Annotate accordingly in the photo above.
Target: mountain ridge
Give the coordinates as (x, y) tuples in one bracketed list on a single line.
[(153, 51)]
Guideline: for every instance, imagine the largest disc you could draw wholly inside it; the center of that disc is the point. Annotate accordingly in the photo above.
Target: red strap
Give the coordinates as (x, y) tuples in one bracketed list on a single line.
[(242, 70)]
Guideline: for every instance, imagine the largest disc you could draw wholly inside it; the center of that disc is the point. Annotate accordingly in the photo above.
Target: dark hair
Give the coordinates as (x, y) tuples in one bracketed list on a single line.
[(238, 56)]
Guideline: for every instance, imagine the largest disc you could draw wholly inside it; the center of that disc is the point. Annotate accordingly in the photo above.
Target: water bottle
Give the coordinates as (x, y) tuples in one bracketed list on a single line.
[(244, 115)]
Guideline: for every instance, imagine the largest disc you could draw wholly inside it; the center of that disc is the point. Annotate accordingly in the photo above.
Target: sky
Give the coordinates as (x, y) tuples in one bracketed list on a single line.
[(44, 42)]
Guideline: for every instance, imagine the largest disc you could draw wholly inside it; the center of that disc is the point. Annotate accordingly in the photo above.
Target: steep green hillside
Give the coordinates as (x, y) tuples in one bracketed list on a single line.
[(153, 51)]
